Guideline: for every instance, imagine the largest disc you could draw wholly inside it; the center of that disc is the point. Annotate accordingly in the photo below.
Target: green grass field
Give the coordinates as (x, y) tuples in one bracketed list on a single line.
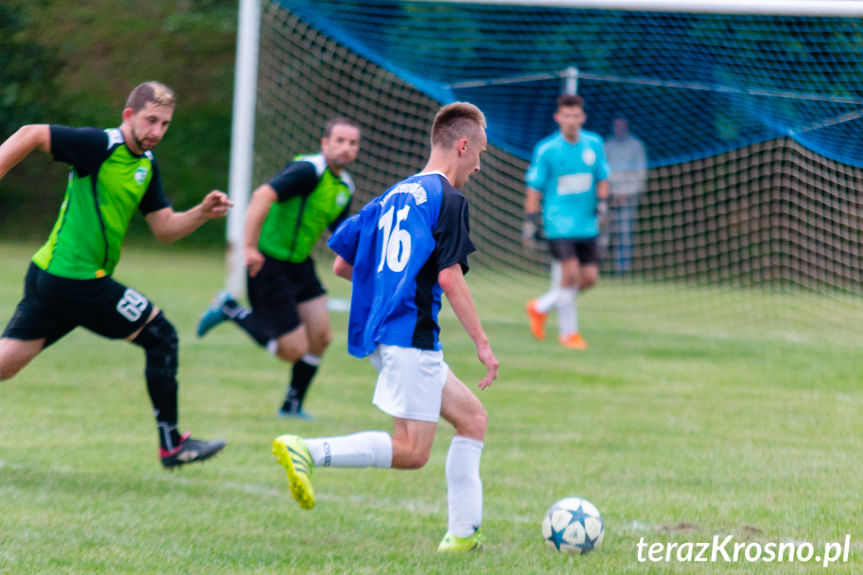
[(675, 434)]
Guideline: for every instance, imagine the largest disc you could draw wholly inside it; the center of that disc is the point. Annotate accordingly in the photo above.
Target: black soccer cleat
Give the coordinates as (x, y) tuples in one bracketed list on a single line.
[(189, 451)]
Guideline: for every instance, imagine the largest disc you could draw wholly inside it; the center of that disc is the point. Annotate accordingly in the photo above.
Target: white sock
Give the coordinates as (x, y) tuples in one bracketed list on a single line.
[(311, 359), (364, 449), (548, 301), (464, 486), (556, 274), (567, 313)]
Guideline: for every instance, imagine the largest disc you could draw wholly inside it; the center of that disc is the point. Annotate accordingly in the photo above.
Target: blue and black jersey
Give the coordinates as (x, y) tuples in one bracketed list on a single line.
[(398, 244)]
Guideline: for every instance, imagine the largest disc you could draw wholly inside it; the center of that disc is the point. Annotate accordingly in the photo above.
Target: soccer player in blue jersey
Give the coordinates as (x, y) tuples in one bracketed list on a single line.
[(402, 251), (568, 176), (113, 174)]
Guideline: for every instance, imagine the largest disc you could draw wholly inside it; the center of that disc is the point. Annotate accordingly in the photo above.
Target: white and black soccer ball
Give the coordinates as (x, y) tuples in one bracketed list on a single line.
[(573, 525)]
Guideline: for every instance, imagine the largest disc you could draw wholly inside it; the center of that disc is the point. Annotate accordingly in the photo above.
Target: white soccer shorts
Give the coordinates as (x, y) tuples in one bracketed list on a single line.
[(410, 382)]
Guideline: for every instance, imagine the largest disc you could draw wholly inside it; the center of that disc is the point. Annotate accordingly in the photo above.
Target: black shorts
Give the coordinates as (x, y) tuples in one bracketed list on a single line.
[(278, 289), (585, 250), (53, 306)]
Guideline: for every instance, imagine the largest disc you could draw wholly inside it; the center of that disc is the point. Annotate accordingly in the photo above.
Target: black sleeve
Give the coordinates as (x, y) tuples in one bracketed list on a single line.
[(452, 233), (297, 179), (83, 148), (154, 198), (342, 216)]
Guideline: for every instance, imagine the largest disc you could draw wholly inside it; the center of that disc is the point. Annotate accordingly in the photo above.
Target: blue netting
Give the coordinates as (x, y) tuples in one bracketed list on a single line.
[(691, 85)]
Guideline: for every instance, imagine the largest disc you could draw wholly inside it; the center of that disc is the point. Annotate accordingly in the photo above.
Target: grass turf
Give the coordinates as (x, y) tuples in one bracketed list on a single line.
[(676, 435)]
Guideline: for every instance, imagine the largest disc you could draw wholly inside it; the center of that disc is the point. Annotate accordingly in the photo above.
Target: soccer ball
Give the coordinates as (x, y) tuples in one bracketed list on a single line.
[(573, 525)]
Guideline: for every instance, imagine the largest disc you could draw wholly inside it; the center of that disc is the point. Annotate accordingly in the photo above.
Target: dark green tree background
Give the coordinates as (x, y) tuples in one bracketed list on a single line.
[(74, 63)]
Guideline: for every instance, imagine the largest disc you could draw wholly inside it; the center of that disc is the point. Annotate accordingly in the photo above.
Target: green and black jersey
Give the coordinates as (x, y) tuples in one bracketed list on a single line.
[(311, 198), (107, 183)]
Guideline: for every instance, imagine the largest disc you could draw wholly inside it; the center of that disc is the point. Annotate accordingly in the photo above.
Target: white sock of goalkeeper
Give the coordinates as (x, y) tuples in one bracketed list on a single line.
[(464, 486), (548, 301), (567, 312), (364, 449)]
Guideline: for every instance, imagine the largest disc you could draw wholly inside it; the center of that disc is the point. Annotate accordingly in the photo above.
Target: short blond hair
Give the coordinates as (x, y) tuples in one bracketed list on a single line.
[(455, 121), (154, 92)]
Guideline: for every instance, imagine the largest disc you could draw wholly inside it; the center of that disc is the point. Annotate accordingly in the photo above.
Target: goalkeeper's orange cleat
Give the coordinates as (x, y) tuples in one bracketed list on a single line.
[(573, 341), (537, 320)]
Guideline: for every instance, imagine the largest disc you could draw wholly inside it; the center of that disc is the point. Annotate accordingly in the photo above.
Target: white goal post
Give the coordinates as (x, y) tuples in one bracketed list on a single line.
[(242, 138)]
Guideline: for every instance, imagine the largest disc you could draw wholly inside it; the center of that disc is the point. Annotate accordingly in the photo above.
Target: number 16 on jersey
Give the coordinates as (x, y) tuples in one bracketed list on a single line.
[(396, 244)]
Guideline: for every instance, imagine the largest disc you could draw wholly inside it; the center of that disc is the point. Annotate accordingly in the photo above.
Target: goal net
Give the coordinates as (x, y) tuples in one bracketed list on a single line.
[(751, 219)]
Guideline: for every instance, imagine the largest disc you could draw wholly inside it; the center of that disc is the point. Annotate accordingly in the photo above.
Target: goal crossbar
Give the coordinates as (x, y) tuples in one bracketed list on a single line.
[(825, 8)]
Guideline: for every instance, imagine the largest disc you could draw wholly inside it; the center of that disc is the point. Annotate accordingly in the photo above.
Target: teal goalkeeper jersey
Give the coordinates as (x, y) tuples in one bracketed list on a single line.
[(566, 175)]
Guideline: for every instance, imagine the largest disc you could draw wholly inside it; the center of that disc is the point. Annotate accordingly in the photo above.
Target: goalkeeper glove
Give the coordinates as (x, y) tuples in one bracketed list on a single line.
[(602, 208), (530, 230)]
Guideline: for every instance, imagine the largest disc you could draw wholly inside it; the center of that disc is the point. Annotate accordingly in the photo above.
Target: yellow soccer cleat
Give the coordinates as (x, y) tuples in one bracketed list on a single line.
[(291, 451), (452, 543)]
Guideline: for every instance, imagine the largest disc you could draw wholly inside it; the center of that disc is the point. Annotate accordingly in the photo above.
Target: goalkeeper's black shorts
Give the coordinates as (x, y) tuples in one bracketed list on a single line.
[(586, 250)]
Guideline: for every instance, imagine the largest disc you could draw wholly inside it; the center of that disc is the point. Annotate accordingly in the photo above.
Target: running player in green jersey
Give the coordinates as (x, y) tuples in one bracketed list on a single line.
[(69, 284), (285, 219)]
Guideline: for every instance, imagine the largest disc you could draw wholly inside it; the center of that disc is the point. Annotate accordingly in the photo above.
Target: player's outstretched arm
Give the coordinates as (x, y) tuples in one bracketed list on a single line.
[(169, 226), (452, 282), (262, 200), (20, 144)]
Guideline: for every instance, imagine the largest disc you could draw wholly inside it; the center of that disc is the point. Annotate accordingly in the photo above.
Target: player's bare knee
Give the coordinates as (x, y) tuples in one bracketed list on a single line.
[(475, 425), (417, 459), (479, 425), (7, 368), (320, 343), (288, 355), (408, 453), (8, 372), (16, 354), (291, 350)]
